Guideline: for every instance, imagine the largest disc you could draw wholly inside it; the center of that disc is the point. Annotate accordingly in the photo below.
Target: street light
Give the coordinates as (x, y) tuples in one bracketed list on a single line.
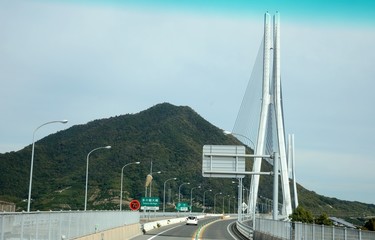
[(87, 170), (204, 195), (234, 204), (32, 160), (229, 203), (152, 179), (122, 174), (164, 192), (215, 201), (238, 134), (179, 191), (246, 193), (191, 197), (224, 205)]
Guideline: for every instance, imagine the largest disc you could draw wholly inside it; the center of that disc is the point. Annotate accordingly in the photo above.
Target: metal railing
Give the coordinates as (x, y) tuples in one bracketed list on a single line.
[(286, 230), (61, 225), (312, 231), (154, 215), (279, 229), (244, 229)]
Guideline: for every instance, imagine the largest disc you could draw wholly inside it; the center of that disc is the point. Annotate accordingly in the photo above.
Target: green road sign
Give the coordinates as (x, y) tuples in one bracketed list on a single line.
[(150, 202), (182, 207)]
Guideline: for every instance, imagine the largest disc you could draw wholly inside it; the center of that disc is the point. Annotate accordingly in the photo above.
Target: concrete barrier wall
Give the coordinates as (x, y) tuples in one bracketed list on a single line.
[(156, 224), (130, 231), (152, 225), (120, 233)]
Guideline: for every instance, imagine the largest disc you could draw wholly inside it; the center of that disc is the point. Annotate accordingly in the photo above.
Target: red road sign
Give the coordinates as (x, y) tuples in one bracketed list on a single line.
[(134, 205)]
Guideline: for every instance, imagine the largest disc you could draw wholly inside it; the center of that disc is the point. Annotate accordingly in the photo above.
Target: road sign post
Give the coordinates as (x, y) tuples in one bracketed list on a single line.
[(150, 203), (182, 207), (134, 205), (220, 160)]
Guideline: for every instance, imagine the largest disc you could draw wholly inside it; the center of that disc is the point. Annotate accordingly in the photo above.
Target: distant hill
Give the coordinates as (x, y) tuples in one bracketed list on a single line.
[(170, 136)]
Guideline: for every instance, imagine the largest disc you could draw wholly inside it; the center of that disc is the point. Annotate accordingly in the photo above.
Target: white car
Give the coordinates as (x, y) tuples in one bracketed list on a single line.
[(191, 220)]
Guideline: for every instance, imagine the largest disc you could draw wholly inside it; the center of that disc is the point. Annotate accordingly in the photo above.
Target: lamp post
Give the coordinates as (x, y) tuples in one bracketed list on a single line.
[(238, 134), (191, 197), (215, 201), (32, 160), (179, 191), (151, 180), (246, 193), (204, 195), (223, 204), (122, 177), (229, 203), (87, 170), (164, 192)]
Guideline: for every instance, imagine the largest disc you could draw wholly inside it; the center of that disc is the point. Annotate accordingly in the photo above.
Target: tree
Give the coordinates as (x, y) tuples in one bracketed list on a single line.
[(370, 225), (323, 220), (302, 215)]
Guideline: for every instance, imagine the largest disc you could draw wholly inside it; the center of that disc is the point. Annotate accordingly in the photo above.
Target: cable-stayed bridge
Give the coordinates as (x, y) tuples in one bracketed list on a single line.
[(260, 120), (260, 126)]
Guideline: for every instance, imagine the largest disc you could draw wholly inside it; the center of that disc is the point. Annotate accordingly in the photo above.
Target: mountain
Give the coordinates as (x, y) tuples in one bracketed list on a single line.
[(171, 137)]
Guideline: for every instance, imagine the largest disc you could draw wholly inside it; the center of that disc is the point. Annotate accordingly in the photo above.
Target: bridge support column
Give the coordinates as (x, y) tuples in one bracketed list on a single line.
[(275, 186), (271, 108)]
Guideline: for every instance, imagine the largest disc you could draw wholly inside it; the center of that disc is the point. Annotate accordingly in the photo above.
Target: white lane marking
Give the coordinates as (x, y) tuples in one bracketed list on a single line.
[(230, 232), (163, 232)]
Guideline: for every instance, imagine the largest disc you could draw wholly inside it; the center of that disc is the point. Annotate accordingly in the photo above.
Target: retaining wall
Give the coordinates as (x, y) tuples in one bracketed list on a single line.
[(120, 233)]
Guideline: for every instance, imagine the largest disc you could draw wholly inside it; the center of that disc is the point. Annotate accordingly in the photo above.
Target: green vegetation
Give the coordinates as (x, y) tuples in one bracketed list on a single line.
[(370, 225), (323, 220), (300, 214), (171, 137)]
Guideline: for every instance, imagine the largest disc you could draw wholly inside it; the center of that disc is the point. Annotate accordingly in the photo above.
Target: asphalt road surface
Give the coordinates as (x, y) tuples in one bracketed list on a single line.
[(218, 230), (211, 228)]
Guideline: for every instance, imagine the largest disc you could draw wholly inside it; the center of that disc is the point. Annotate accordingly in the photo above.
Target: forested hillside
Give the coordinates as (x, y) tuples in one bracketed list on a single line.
[(170, 136)]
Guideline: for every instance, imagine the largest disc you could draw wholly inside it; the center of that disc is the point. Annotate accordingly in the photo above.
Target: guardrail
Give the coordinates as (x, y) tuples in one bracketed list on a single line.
[(312, 231), (61, 225), (285, 230), (279, 229), (153, 214), (244, 229)]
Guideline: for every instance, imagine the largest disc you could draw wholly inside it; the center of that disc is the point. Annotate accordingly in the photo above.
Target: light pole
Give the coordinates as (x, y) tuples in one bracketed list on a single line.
[(164, 192), (191, 197), (204, 195), (87, 170), (229, 203), (246, 192), (32, 160), (215, 201), (238, 134), (179, 191), (223, 204), (122, 176), (152, 179)]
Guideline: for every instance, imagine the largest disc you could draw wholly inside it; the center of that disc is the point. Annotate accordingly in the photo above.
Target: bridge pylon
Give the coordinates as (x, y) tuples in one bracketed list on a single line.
[(271, 113)]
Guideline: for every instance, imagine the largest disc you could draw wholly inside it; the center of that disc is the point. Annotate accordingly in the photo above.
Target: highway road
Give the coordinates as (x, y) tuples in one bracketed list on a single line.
[(218, 230), (211, 228)]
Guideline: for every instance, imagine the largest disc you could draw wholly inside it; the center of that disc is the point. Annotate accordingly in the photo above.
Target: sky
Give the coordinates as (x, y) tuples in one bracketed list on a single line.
[(87, 60)]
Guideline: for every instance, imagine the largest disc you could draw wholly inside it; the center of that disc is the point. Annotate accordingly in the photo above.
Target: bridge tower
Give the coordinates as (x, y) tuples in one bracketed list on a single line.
[(271, 110)]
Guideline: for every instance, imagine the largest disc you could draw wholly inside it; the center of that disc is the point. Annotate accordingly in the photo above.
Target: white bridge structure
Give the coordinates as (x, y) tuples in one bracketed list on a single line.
[(272, 117), (261, 122)]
